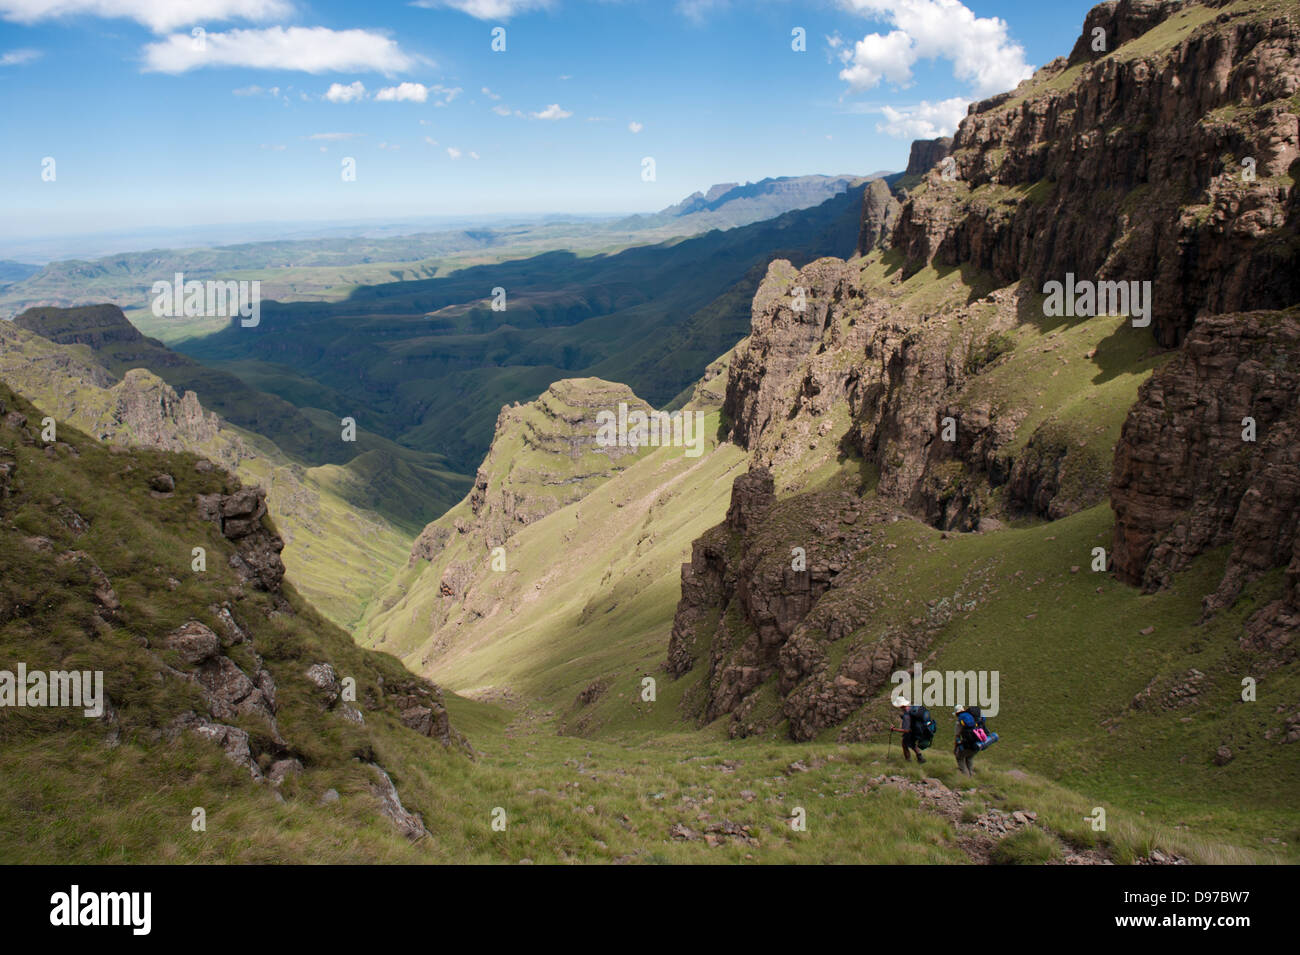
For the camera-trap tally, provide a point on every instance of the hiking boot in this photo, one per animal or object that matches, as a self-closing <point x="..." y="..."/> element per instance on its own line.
<point x="920" y="758"/>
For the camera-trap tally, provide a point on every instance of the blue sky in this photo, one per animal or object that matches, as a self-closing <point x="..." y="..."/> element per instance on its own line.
<point x="148" y="126"/>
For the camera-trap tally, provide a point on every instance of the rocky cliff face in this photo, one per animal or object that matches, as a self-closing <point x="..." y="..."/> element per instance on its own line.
<point x="899" y="373"/>
<point x="1114" y="164"/>
<point x="880" y="210"/>
<point x="544" y="455"/>
<point x="1128" y="164"/>
<point x="926" y="154"/>
<point x="1210" y="456"/>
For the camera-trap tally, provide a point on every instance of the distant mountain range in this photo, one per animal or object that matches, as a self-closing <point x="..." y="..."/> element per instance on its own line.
<point x="729" y="204"/>
<point x="329" y="267"/>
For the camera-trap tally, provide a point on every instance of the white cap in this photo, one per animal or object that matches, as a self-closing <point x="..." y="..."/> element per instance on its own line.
<point x="901" y="701"/>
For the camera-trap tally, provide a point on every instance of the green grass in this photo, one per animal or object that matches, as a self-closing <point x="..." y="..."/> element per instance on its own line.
<point x="347" y="526"/>
<point x="71" y="798"/>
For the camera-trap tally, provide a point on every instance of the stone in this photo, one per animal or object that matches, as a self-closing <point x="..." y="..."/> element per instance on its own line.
<point x="193" y="642"/>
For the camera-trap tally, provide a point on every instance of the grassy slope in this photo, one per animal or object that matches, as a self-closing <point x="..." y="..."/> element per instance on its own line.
<point x="572" y="590"/>
<point x="70" y="798"/>
<point x="338" y="550"/>
<point x="1067" y="644"/>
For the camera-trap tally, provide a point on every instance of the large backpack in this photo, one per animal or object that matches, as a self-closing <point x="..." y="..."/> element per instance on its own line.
<point x="923" y="726"/>
<point x="975" y="733"/>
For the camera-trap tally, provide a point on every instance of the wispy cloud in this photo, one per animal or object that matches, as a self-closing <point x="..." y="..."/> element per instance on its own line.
<point x="635" y="127"/>
<point x="334" y="137"/>
<point x="697" y="11"/>
<point x="487" y="9"/>
<point x="309" y="49"/>
<point x="925" y="120"/>
<point x="19" y="57"/>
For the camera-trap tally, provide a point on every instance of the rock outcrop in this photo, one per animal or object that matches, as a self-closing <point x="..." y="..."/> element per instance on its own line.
<point x="230" y="693"/>
<point x="880" y="211"/>
<point x="900" y="374"/>
<point x="240" y="517"/>
<point x="1210" y="456"/>
<point x="545" y="454"/>
<point x="1115" y="164"/>
<point x="744" y="588"/>
<point x="1199" y="132"/>
<point x="926" y="154"/>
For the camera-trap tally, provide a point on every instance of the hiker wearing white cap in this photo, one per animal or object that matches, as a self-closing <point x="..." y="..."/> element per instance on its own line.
<point x="908" y="730"/>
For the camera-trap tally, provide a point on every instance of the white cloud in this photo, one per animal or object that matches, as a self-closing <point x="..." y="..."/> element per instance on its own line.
<point x="489" y="94"/>
<point x="699" y="10"/>
<point x="448" y="93"/>
<point x="353" y="92"/>
<point x="453" y="152"/>
<point x="926" y="120"/>
<point x="554" y="111"/>
<point x="310" y="49"/>
<point x="474" y="155"/>
<point x="257" y="91"/>
<point x="879" y="57"/>
<point x="158" y="15"/>
<point x="979" y="48"/>
<point x="403" y="93"/>
<point x="430" y="140"/>
<point x="502" y="110"/>
<point x="635" y="126"/>
<point x="387" y="145"/>
<point x="334" y="136"/>
<point x="487" y="9"/>
<point x="19" y="57"/>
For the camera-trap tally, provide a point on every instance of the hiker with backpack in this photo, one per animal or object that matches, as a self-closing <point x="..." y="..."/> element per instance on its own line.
<point x="918" y="728"/>
<point x="973" y="736"/>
